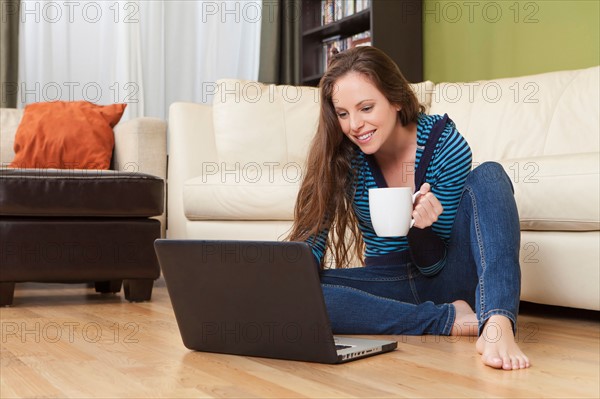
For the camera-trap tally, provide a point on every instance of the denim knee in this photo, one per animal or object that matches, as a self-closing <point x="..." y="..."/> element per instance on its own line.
<point x="489" y="175"/>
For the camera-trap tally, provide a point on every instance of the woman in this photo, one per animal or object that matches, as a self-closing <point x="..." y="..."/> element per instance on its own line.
<point x="463" y="251"/>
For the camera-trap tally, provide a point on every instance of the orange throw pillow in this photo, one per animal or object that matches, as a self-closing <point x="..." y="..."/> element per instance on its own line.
<point x="66" y="135"/>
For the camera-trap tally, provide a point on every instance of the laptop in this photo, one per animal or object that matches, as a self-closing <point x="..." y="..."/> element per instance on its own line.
<point x="254" y="298"/>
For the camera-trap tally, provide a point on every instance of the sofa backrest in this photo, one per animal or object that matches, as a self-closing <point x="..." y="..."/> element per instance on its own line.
<point x="260" y="123"/>
<point x="9" y="121"/>
<point x="546" y="114"/>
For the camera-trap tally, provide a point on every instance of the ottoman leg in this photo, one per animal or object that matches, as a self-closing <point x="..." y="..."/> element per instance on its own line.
<point x="108" y="287"/>
<point x="7" y="292"/>
<point x="138" y="290"/>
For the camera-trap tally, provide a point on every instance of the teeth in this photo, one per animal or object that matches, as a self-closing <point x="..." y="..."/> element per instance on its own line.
<point x="365" y="136"/>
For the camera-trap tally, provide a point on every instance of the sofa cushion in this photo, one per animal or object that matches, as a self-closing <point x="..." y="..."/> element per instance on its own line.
<point x="255" y="122"/>
<point x="250" y="193"/>
<point x="545" y="114"/>
<point x="63" y="192"/>
<point x="66" y="135"/>
<point x="558" y="192"/>
<point x="424" y="91"/>
<point x="575" y="122"/>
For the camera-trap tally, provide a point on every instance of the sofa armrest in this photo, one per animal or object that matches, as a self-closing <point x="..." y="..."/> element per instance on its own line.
<point x="191" y="145"/>
<point x="557" y="192"/>
<point x="141" y="146"/>
<point x="9" y="122"/>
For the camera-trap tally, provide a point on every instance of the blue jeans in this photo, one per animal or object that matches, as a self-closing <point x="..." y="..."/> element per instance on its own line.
<point x="482" y="268"/>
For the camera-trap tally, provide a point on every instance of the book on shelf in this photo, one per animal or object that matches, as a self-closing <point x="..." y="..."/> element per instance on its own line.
<point x="348" y="8"/>
<point x="334" y="10"/>
<point x="336" y="44"/>
<point x="361" y="5"/>
<point x="327" y="11"/>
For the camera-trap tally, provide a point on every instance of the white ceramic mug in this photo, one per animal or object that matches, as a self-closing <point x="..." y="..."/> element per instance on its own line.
<point x="391" y="210"/>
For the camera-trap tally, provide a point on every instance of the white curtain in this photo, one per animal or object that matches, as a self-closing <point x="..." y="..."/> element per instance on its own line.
<point x="146" y="53"/>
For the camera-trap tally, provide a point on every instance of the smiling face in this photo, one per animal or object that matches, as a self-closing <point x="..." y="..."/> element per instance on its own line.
<point x="365" y="115"/>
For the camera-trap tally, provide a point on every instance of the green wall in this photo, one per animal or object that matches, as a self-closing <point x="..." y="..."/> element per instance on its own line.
<point x="468" y="40"/>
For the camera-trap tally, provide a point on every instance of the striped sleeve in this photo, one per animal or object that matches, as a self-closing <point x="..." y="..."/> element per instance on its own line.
<point x="318" y="244"/>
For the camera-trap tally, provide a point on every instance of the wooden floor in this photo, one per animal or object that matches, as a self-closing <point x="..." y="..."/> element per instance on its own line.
<point x="67" y="341"/>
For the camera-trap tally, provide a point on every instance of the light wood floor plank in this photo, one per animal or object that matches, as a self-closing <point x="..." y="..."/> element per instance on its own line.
<point x="67" y="341"/>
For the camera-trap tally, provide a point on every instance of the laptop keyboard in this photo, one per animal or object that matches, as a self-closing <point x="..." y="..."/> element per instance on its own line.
<point x="338" y="347"/>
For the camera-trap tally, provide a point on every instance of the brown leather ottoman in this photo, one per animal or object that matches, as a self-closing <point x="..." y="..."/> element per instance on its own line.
<point x="79" y="226"/>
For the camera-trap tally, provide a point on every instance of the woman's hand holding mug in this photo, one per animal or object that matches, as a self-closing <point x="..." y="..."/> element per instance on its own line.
<point x="394" y="210"/>
<point x="427" y="208"/>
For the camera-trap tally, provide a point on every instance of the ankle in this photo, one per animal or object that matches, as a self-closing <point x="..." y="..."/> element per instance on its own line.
<point x="500" y="320"/>
<point x="496" y="327"/>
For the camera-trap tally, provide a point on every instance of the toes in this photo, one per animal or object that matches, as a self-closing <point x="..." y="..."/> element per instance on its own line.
<point x="507" y="363"/>
<point x="492" y="361"/>
<point x="524" y="362"/>
<point x="502" y="355"/>
<point x="519" y="361"/>
<point x="515" y="362"/>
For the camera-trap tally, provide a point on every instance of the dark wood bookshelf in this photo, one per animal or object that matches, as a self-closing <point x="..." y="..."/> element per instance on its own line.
<point x="395" y="27"/>
<point x="358" y="22"/>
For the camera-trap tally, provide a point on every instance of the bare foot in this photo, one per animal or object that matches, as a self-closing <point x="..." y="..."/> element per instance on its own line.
<point x="497" y="345"/>
<point x="465" y="322"/>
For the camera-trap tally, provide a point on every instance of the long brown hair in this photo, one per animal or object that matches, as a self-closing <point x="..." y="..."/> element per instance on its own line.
<point x="327" y="190"/>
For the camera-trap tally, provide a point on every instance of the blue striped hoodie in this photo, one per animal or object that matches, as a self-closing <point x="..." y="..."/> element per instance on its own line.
<point x="446" y="173"/>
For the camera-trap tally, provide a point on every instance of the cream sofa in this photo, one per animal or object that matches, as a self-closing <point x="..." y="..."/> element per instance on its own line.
<point x="235" y="166"/>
